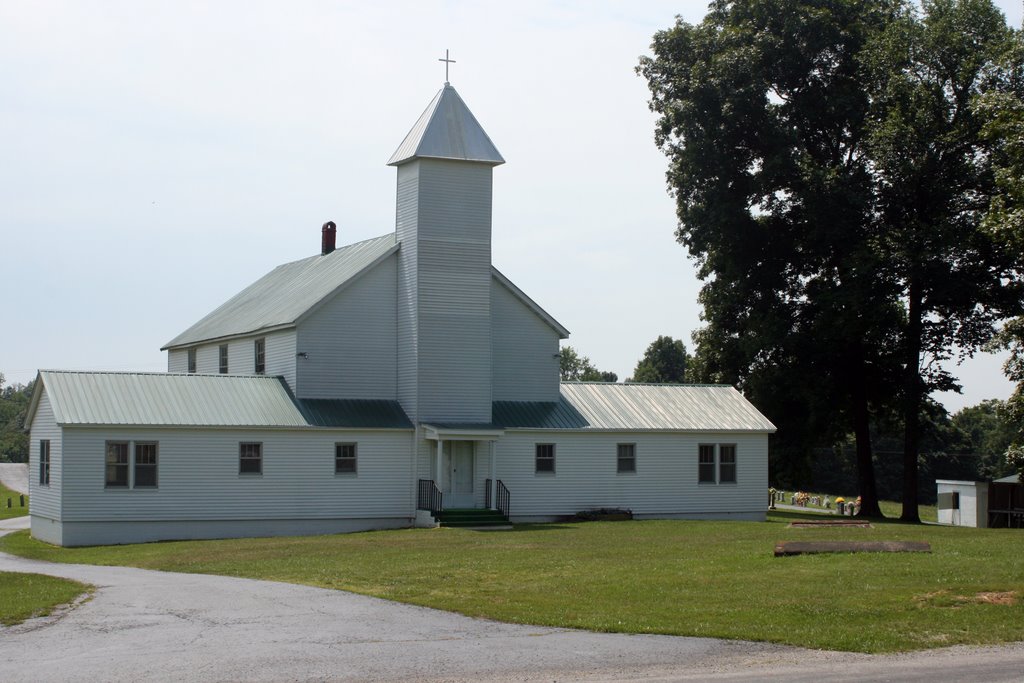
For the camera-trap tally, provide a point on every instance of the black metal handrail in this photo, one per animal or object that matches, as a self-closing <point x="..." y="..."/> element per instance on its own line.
<point x="503" y="498"/>
<point x="487" y="493"/>
<point x="429" y="497"/>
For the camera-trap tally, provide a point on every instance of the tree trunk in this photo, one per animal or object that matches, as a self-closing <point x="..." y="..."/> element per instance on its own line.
<point x="866" y="487"/>
<point x="912" y="403"/>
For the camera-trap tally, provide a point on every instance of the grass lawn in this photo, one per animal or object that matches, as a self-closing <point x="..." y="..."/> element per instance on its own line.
<point x="15" y="510"/>
<point x="23" y="596"/>
<point x="716" y="579"/>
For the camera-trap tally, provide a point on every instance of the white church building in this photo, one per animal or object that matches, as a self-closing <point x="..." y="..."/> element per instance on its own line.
<point x="376" y="385"/>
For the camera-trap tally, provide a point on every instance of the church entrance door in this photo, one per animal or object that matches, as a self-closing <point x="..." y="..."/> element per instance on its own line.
<point x="459" y="471"/>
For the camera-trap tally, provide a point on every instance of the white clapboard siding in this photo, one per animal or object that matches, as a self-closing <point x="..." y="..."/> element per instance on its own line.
<point x="406" y="224"/>
<point x="198" y="476"/>
<point x="280" y="356"/>
<point x="525" y="350"/>
<point x="349" y="341"/>
<point x="177" y="360"/>
<point x="45" y="501"/>
<point x="665" y="482"/>
<point x="208" y="359"/>
<point x="444" y="226"/>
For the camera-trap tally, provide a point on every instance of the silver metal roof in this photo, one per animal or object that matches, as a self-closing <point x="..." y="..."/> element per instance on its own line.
<point x="163" y="399"/>
<point x="282" y="296"/>
<point x="447" y="130"/>
<point x="637" y="407"/>
<point x="192" y="400"/>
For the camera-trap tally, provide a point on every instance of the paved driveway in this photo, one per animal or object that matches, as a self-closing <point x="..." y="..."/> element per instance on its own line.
<point x="14" y="475"/>
<point x="149" y="625"/>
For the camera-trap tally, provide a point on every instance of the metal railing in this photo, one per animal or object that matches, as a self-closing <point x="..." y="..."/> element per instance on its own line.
<point x="429" y="497"/>
<point x="503" y="498"/>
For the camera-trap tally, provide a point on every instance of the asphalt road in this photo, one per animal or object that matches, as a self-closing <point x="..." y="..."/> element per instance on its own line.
<point x="14" y="476"/>
<point x="162" y="626"/>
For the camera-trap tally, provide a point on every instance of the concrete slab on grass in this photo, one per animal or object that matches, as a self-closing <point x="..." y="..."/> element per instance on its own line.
<point x="784" y="548"/>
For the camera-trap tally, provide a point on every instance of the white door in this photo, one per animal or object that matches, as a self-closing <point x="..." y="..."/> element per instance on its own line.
<point x="459" y="461"/>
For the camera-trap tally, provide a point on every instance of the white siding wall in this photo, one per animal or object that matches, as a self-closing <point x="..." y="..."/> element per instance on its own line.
<point x="281" y="355"/>
<point x="177" y="360"/>
<point x="45" y="501"/>
<point x="406" y="224"/>
<point x="525" y="350"/>
<point x="444" y="225"/>
<point x="208" y="359"/>
<point x="198" y="476"/>
<point x="665" y="482"/>
<point x="350" y="341"/>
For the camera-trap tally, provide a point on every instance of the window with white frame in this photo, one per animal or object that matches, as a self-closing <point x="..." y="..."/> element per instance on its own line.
<point x="545" y="458"/>
<point x="250" y="458"/>
<point x="626" y="458"/>
<point x="260" y="349"/>
<point x="344" y="458"/>
<point x="191" y="360"/>
<point x="716" y="463"/>
<point x="223" y="353"/>
<point x="44" y="462"/>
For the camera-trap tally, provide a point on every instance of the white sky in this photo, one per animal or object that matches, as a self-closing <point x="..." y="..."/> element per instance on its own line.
<point x="156" y="157"/>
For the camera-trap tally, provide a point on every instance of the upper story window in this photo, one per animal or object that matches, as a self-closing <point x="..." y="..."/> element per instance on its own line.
<point x="223" y="352"/>
<point x="261" y="355"/>
<point x="626" y="458"/>
<point x="191" y="360"/>
<point x="344" y="458"/>
<point x="44" y="462"/>
<point x="250" y="458"/>
<point x="545" y="458"/>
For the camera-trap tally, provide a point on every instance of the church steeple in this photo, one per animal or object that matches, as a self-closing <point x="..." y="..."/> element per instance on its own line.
<point x="447" y="129"/>
<point x="443" y="223"/>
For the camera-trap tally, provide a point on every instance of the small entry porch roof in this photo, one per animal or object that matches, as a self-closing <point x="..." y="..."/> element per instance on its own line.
<point x="462" y="432"/>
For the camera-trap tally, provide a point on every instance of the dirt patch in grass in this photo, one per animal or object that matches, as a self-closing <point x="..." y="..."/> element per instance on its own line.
<point x="945" y="598"/>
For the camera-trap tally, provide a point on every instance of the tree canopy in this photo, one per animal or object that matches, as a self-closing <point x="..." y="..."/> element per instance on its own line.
<point x="832" y="178"/>
<point x="14" y="400"/>
<point x="574" y="367"/>
<point x="664" y="362"/>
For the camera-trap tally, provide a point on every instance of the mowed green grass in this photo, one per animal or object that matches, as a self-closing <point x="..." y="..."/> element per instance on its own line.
<point x="15" y="510"/>
<point x="23" y="596"/>
<point x="695" y="578"/>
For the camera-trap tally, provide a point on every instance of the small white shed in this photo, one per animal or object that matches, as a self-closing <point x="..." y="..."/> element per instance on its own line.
<point x="963" y="503"/>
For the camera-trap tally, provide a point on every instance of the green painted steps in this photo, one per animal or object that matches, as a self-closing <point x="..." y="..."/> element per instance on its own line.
<point x="472" y="517"/>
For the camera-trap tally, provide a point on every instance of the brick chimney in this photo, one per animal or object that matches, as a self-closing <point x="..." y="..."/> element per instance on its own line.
<point x="328" y="234"/>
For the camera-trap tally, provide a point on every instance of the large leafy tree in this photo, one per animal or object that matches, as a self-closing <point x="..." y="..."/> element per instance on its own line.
<point x="14" y="400"/>
<point x="763" y="110"/>
<point x="577" y="368"/>
<point x="936" y="78"/>
<point x="664" y="362"/>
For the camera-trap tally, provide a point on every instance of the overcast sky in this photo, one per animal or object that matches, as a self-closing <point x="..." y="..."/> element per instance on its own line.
<point x="157" y="157"/>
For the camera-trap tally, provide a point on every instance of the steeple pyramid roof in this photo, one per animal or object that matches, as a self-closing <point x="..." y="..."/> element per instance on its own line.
<point x="447" y="129"/>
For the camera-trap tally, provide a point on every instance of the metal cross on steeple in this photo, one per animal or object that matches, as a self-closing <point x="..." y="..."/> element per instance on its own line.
<point x="446" y="63"/>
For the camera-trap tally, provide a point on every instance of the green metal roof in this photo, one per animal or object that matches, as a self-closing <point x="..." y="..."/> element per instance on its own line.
<point x="192" y="400"/>
<point x="636" y="407"/>
<point x="354" y="413"/>
<point x="282" y="296"/>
